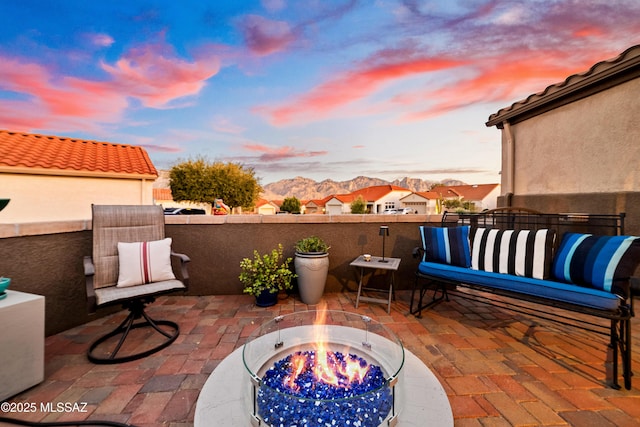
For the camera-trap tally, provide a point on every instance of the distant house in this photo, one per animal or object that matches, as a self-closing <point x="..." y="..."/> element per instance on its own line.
<point x="377" y="199"/>
<point x="478" y="196"/>
<point x="339" y="204"/>
<point x="52" y="178"/>
<point x="265" y="207"/>
<point x="422" y="202"/>
<point x="316" y="206"/>
<point x="573" y="147"/>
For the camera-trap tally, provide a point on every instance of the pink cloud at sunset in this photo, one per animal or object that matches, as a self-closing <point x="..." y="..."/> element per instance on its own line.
<point x="162" y="148"/>
<point x="54" y="101"/>
<point x="225" y="125"/>
<point x="151" y="74"/>
<point x="99" y="39"/>
<point x="494" y="81"/>
<point x="264" y="36"/>
<point x="270" y="154"/>
<point x="350" y="86"/>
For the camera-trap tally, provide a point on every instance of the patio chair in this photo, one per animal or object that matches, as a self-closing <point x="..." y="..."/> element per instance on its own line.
<point x="131" y="265"/>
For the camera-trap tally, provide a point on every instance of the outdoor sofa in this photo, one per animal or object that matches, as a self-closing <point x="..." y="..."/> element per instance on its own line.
<point x="577" y="262"/>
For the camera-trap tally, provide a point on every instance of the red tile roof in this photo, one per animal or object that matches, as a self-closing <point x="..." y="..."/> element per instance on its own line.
<point x="376" y="192"/>
<point x="55" y="153"/>
<point x="469" y="192"/>
<point x="430" y="195"/>
<point x="162" y="194"/>
<point x="264" y="202"/>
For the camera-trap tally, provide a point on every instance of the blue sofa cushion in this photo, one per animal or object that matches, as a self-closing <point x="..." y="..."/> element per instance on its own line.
<point x="602" y="262"/>
<point x="522" y="253"/>
<point x="565" y="292"/>
<point x="447" y="245"/>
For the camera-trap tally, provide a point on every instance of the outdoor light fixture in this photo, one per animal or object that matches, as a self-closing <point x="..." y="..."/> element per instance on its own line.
<point x="384" y="232"/>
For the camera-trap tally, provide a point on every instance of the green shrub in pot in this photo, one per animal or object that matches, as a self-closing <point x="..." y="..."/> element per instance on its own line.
<point x="312" y="267"/>
<point x="266" y="275"/>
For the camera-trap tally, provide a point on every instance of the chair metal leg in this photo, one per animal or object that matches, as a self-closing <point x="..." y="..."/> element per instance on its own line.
<point x="136" y="311"/>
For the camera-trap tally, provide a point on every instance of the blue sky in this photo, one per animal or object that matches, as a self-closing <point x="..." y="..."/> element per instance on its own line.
<point x="319" y="88"/>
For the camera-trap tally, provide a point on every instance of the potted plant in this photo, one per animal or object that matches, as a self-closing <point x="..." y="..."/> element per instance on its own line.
<point x="312" y="266"/>
<point x="266" y="275"/>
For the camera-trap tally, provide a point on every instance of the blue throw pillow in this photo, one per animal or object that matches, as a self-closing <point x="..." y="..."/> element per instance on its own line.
<point x="446" y="245"/>
<point x="601" y="262"/>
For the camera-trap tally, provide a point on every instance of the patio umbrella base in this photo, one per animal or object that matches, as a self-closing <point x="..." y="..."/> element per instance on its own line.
<point x="99" y="354"/>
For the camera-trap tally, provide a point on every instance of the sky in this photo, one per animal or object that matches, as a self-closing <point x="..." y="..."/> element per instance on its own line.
<point x="323" y="89"/>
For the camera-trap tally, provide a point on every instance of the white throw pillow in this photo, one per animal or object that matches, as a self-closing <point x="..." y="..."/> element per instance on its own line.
<point x="144" y="262"/>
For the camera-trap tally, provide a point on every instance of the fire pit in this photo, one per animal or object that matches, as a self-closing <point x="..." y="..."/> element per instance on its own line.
<point x="323" y="368"/>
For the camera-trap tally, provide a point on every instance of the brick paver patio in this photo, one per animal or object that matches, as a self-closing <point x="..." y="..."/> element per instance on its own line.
<point x="498" y="368"/>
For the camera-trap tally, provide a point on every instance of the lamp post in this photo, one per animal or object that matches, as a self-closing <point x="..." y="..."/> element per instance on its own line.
<point x="384" y="232"/>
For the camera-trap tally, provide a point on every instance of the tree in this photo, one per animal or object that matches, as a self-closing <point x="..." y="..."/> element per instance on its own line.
<point x="358" y="206"/>
<point x="291" y="205"/>
<point x="452" y="203"/>
<point x="203" y="182"/>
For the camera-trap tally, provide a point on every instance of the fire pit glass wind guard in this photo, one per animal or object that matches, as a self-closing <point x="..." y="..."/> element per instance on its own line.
<point x="323" y="368"/>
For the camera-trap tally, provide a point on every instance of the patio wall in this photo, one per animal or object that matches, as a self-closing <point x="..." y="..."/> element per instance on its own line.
<point x="46" y="258"/>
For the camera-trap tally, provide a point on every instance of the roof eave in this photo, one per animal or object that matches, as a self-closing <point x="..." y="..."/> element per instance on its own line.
<point x="77" y="173"/>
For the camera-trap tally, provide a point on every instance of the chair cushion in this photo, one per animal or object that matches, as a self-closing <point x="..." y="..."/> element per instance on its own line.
<point x="597" y="261"/>
<point x="144" y="262"/>
<point x="558" y="291"/>
<point x="522" y="253"/>
<point x="113" y="294"/>
<point x="447" y="245"/>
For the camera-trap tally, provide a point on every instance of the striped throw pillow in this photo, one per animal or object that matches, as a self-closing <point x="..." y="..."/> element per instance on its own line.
<point x="144" y="262"/>
<point x="522" y="253"/>
<point x="597" y="261"/>
<point x="446" y="245"/>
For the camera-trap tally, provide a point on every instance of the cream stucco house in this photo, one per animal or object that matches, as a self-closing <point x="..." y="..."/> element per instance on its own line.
<point x="377" y="199"/>
<point x="422" y="202"/>
<point x="51" y="178"/>
<point x="575" y="146"/>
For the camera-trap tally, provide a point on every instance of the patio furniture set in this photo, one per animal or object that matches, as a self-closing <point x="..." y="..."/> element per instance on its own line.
<point x="563" y="263"/>
<point x="507" y="252"/>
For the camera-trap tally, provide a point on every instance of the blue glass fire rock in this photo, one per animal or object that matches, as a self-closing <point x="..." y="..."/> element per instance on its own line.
<point x="307" y="402"/>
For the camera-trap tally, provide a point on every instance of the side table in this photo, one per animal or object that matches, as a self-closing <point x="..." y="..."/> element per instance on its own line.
<point x="389" y="264"/>
<point x="21" y="342"/>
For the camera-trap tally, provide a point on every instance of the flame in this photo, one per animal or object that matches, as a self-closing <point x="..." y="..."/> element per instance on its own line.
<point x="298" y="363"/>
<point x="327" y="366"/>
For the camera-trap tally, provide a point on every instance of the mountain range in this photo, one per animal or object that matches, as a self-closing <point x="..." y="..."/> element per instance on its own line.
<point x="308" y="189"/>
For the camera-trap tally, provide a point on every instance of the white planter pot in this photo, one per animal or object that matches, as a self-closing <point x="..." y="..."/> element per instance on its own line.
<point x="312" y="270"/>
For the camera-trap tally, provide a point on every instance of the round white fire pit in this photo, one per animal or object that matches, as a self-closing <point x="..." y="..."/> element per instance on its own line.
<point x="318" y="369"/>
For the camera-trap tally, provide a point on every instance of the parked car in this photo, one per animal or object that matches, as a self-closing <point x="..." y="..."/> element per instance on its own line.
<point x="405" y="211"/>
<point x="390" y="212"/>
<point x="184" y="211"/>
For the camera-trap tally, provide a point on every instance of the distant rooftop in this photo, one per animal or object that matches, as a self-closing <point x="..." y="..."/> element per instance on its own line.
<point x="599" y="77"/>
<point x="34" y="153"/>
<point x="376" y="192"/>
<point x="467" y="191"/>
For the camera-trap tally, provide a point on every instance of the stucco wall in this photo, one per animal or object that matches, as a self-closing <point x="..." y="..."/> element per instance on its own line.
<point x="60" y="198"/>
<point x="588" y="146"/>
<point x="46" y="259"/>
